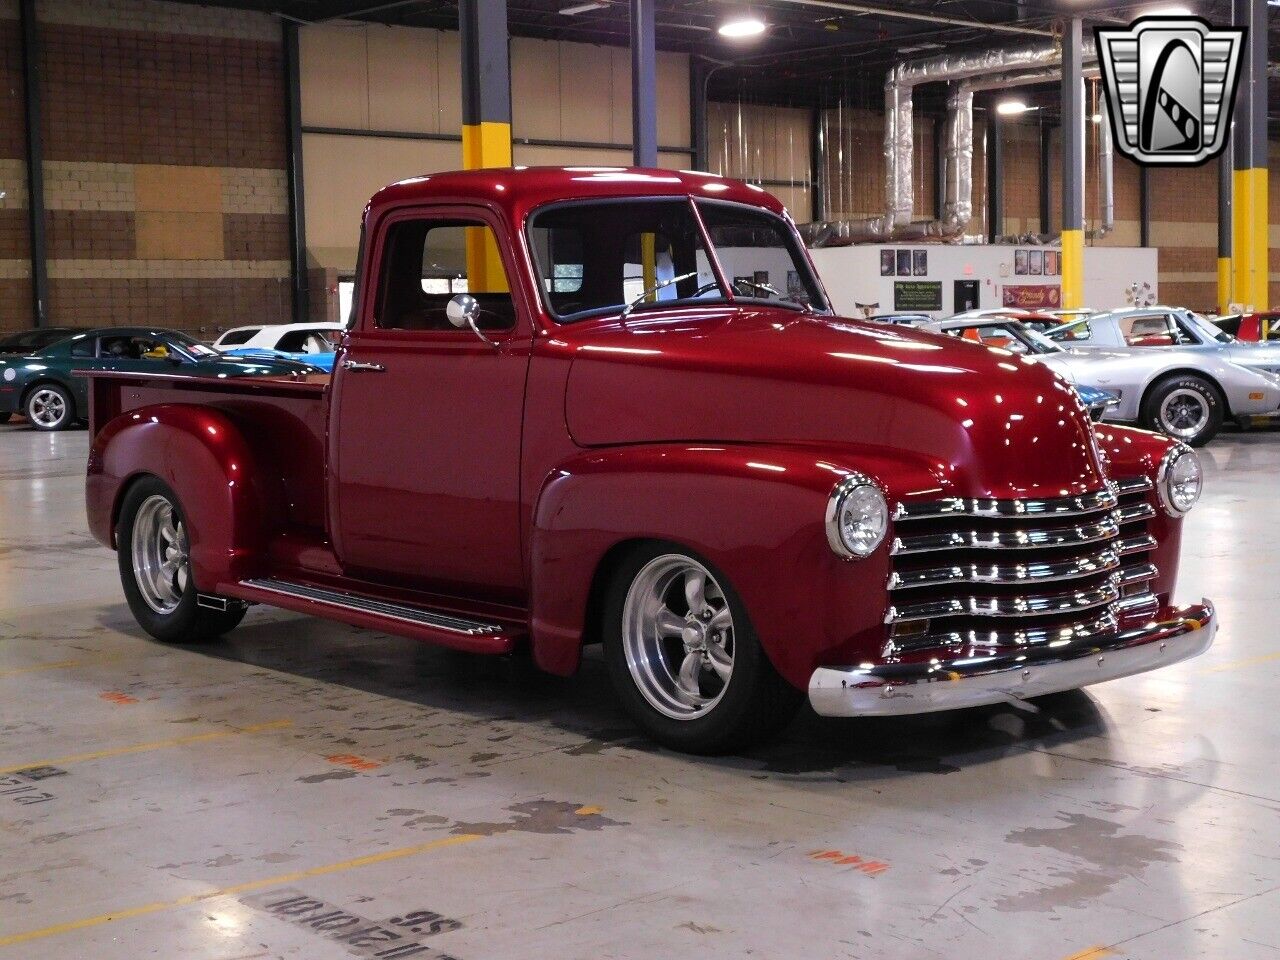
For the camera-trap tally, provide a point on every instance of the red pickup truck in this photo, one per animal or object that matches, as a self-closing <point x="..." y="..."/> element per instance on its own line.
<point x="613" y="406"/>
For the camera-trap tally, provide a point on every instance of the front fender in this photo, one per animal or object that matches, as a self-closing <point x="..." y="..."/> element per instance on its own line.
<point x="754" y="511"/>
<point x="202" y="456"/>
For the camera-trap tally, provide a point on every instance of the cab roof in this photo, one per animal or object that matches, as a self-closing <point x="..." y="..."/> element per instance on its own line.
<point x="518" y="190"/>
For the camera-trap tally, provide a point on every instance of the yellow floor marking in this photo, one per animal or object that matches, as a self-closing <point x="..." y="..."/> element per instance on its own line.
<point x="1249" y="662"/>
<point x="144" y="747"/>
<point x="130" y="912"/>
<point x="61" y="664"/>
<point x="1093" y="953"/>
<point x="588" y="811"/>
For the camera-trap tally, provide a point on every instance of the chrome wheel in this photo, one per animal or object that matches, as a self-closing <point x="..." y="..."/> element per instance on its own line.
<point x="47" y="408"/>
<point x="159" y="548"/>
<point x="677" y="634"/>
<point x="1184" y="413"/>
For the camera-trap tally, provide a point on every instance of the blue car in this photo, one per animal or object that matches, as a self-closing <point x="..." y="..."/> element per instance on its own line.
<point x="322" y="360"/>
<point x="1096" y="401"/>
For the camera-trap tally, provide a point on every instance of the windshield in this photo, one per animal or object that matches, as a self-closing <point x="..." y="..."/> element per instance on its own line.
<point x="601" y="257"/>
<point x="31" y="340"/>
<point x="1207" y="329"/>
<point x="191" y="346"/>
<point x="1043" y="343"/>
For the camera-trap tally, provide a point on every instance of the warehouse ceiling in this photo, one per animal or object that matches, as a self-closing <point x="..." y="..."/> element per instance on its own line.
<point x="814" y="52"/>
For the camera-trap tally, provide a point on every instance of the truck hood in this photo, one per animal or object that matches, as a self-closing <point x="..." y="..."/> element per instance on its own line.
<point x="984" y="421"/>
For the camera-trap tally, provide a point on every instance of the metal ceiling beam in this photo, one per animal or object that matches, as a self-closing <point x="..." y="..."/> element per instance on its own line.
<point x="901" y="14"/>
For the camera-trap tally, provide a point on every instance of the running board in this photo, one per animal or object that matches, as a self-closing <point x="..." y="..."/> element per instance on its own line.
<point x="447" y="628"/>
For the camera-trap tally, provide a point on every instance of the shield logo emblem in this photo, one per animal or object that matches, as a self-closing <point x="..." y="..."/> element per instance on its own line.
<point x="1170" y="84"/>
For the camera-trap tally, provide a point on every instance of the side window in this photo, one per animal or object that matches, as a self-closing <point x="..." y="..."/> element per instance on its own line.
<point x="295" y="341"/>
<point x="233" y="338"/>
<point x="1149" y="330"/>
<point x="1076" y="333"/>
<point x="82" y="347"/>
<point x="426" y="262"/>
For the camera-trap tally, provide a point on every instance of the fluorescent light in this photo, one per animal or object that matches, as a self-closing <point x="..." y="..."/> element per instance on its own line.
<point x="578" y="8"/>
<point x="1167" y="12"/>
<point x="1010" y="108"/>
<point x="739" y="27"/>
<point x="1096" y="118"/>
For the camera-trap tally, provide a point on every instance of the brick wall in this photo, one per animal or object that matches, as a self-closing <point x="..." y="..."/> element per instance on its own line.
<point x="15" y="254"/>
<point x="164" y="147"/>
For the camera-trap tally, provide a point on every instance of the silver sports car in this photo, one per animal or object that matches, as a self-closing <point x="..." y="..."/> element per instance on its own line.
<point x="1172" y="369"/>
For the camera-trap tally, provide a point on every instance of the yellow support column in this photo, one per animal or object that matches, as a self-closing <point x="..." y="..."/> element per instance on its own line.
<point x="1249" y="244"/>
<point x="1072" y="269"/>
<point x="1073" y="165"/>
<point x="1249" y="240"/>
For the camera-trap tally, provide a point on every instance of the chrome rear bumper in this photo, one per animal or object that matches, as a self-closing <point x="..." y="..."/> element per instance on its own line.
<point x="894" y="689"/>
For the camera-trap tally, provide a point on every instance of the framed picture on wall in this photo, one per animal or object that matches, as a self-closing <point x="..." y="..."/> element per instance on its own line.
<point x="904" y="263"/>
<point x="1035" y="262"/>
<point x="1020" y="262"/>
<point x="1052" y="263"/>
<point x="920" y="263"/>
<point x="886" y="263"/>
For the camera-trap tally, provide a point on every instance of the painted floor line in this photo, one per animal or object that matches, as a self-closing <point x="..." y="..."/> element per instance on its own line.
<point x="145" y="747"/>
<point x="1247" y="662"/>
<point x="1093" y="953"/>
<point x="284" y="878"/>
<point x="63" y="664"/>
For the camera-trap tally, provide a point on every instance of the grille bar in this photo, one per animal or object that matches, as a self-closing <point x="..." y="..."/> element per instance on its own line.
<point x="1094" y="502"/>
<point x="1023" y="538"/>
<point x="1071" y="601"/>
<point x="1135" y="511"/>
<point x="1072" y="569"/>
<point x="1135" y="544"/>
<point x="1106" y="623"/>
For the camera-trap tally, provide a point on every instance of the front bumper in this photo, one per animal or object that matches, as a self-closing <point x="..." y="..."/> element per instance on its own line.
<point x="878" y="690"/>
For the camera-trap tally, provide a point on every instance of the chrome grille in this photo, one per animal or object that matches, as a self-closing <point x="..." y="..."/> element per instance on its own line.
<point x="1018" y="572"/>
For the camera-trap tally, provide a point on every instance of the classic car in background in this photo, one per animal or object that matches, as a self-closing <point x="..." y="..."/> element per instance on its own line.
<point x="1034" y="319"/>
<point x="1172" y="369"/>
<point x="42" y="386"/>
<point x="26" y="341"/>
<point x="292" y="338"/>
<point x="1250" y="326"/>
<point x="323" y="361"/>
<point x="1011" y="335"/>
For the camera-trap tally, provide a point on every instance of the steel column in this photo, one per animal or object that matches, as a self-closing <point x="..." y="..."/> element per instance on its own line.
<point x="1046" y="193"/>
<point x="644" y="83"/>
<point x="293" y="171"/>
<point x="1224" y="232"/>
<point x="1144" y="206"/>
<point x="1249" y="246"/>
<point x="939" y="166"/>
<point x="1072" y="165"/>
<point x="35" y="162"/>
<point x="699" y="72"/>
<point x="995" y="177"/>
<point x="486" y="120"/>
<point x="817" y="167"/>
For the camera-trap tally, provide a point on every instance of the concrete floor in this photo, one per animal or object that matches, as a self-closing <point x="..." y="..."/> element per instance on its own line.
<point x="308" y="790"/>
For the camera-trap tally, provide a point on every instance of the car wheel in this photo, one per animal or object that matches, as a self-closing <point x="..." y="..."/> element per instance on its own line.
<point x="152" y="549"/>
<point x="684" y="658"/>
<point x="1187" y="408"/>
<point x="49" y="407"/>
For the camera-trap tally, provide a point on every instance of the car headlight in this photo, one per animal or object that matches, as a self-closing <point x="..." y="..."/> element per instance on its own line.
<point x="857" y="516"/>
<point x="1179" y="480"/>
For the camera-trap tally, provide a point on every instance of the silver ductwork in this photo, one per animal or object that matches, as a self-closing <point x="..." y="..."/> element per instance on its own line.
<point x="1106" y="173"/>
<point x="968" y="72"/>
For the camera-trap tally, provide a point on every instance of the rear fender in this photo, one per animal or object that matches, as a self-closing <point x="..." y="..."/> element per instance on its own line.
<point x="203" y="457"/>
<point x="754" y="512"/>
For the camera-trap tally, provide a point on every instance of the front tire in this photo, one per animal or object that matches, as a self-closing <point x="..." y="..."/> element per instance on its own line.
<point x="153" y="553"/>
<point x="1187" y="408"/>
<point x="49" y="407"/>
<point x="684" y="658"/>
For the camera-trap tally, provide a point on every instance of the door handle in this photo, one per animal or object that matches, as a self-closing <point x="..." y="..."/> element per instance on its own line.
<point x="357" y="365"/>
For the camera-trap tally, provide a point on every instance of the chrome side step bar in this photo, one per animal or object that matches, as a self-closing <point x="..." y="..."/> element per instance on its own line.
<point x="382" y="608"/>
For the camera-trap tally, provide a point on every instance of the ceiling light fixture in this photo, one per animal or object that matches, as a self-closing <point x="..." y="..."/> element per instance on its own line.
<point x="1011" y="108"/>
<point x="578" y="8"/>
<point x="1178" y="11"/>
<point x="739" y="27"/>
<point x="1096" y="118"/>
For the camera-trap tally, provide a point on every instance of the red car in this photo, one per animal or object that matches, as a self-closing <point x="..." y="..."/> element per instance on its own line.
<point x="613" y="406"/>
<point x="1251" y="326"/>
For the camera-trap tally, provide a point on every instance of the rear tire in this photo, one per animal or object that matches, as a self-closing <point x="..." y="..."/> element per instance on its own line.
<point x="152" y="550"/>
<point x="1185" y="407"/>
<point x="684" y="658"/>
<point x="49" y="407"/>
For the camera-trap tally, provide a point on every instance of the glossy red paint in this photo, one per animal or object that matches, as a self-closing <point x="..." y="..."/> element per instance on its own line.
<point x="503" y="479"/>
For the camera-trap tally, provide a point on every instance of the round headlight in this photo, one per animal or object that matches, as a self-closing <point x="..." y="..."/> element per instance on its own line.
<point x="857" y="517"/>
<point x="1179" y="480"/>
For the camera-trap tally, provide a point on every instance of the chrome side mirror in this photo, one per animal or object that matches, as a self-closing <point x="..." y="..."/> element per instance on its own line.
<point x="462" y="310"/>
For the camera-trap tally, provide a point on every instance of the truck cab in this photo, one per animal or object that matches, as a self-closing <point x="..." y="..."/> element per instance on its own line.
<point x="612" y="406"/>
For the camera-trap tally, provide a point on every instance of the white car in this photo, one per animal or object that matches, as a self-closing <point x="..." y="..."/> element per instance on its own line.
<point x="285" y="337"/>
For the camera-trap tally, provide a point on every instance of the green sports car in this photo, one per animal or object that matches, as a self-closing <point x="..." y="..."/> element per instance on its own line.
<point x="40" y="385"/>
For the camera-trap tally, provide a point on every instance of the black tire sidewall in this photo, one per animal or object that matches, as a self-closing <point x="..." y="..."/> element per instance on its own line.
<point x="1207" y="391"/>
<point x="736" y="720"/>
<point x="188" y="622"/>
<point x="69" y="405"/>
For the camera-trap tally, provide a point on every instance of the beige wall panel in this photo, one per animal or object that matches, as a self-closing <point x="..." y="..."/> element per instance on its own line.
<point x="535" y="88"/>
<point x="178" y="236"/>
<point x="333" y="67"/>
<point x="619" y="79"/>
<point x="404" y="84"/>
<point x="528" y="156"/>
<point x="796" y="200"/>
<point x="341" y="173"/>
<point x="586" y="111"/>
<point x="173" y="188"/>
<point x="673" y="99"/>
<point x="450" y="81"/>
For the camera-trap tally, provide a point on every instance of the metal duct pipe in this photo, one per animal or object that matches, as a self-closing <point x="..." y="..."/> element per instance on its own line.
<point x="1032" y="63"/>
<point x="1106" y="173"/>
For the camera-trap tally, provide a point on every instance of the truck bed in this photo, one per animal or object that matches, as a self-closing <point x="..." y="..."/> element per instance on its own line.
<point x="283" y="420"/>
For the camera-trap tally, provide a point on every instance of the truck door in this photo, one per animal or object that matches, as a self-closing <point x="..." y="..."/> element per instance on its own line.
<point x="424" y="443"/>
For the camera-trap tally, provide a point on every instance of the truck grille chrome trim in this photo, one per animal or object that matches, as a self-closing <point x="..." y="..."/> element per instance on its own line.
<point x="1010" y="573"/>
<point x="1137" y="544"/>
<point x="396" y="611"/>
<point x="1070" y="601"/>
<point x="1135" y="511"/>
<point x="1028" y="637"/>
<point x="1006" y="539"/>
<point x="974" y="507"/>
